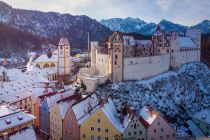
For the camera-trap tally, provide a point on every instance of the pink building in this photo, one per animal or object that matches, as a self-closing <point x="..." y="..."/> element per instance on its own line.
<point x="157" y="127"/>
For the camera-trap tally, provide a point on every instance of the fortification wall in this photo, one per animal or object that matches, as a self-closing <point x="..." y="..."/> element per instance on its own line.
<point x="188" y="56"/>
<point x="144" y="67"/>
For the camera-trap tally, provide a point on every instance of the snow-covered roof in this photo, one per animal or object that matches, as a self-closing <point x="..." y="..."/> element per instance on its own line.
<point x="63" y="41"/>
<point x="195" y="129"/>
<point x="85" y="108"/>
<point x="186" y="42"/>
<point x="45" y="58"/>
<point x="65" y="104"/>
<point x="21" y="87"/>
<point x="110" y="111"/>
<point x="148" y="115"/>
<point x="14" y="74"/>
<point x="51" y="100"/>
<point x="24" y="134"/>
<point x="12" y="117"/>
<point x="128" y="40"/>
<point x="203" y="116"/>
<point x="143" y="42"/>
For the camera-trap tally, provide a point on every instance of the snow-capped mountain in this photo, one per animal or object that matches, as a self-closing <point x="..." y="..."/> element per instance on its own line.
<point x="139" y="26"/>
<point x="204" y="26"/>
<point x="53" y="25"/>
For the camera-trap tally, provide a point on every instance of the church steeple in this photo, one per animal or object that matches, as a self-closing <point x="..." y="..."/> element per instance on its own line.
<point x="63" y="57"/>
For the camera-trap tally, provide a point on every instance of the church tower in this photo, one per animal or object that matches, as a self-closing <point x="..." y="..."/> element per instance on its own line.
<point x="116" y="58"/>
<point x="63" y="59"/>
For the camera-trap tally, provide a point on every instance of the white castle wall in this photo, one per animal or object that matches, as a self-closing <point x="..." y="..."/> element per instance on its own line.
<point x="144" y="67"/>
<point x="188" y="56"/>
<point x="102" y="64"/>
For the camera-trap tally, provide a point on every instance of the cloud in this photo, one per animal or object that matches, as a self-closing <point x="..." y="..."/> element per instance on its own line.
<point x="187" y="12"/>
<point x="164" y="4"/>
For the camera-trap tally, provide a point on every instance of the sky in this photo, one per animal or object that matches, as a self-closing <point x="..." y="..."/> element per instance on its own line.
<point x="185" y="12"/>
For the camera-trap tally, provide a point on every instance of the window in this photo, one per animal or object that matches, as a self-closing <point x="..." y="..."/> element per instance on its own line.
<point x="129" y="133"/>
<point x="207" y="127"/>
<point x="161" y="137"/>
<point x="154" y="130"/>
<point x="106" y="130"/>
<point x="115" y="62"/>
<point x="140" y="132"/>
<point x="142" y="138"/>
<point x="98" y="120"/>
<point x="158" y="123"/>
<point x="152" y="138"/>
<point x="116" y="138"/>
<point x="134" y="126"/>
<point x="92" y="128"/>
<point x="92" y="137"/>
<point x="161" y="129"/>
<point x="106" y="138"/>
<point x="116" y="56"/>
<point x="99" y="129"/>
<point x="98" y="138"/>
<point x="134" y="133"/>
<point x="84" y="136"/>
<point x="167" y="136"/>
<point x="61" y="47"/>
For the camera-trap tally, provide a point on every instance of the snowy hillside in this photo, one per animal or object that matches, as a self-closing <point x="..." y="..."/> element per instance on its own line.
<point x="53" y="25"/>
<point x="139" y="26"/>
<point x="175" y="94"/>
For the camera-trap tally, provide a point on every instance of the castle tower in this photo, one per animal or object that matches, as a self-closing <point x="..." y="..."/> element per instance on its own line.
<point x="116" y="58"/>
<point x="94" y="45"/>
<point x="63" y="59"/>
<point x="174" y="53"/>
<point x="158" y="40"/>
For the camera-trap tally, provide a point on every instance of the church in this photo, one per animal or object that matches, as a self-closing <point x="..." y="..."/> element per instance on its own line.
<point x="58" y="61"/>
<point x="124" y="57"/>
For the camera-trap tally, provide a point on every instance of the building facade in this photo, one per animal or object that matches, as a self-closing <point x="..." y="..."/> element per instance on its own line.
<point x="125" y="58"/>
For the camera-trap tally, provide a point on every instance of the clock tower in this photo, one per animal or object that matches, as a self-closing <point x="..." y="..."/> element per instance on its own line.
<point x="63" y="59"/>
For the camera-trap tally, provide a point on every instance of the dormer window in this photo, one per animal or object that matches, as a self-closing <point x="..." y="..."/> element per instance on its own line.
<point x="61" y="47"/>
<point x="20" y="117"/>
<point x="8" y="121"/>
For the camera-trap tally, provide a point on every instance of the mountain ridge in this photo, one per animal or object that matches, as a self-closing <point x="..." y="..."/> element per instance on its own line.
<point x="129" y="24"/>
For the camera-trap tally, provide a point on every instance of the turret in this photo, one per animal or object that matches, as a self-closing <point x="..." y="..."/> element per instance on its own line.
<point x="174" y="50"/>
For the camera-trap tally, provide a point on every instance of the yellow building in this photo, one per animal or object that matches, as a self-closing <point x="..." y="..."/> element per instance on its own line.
<point x="12" y="120"/>
<point x="57" y="115"/>
<point x="104" y="124"/>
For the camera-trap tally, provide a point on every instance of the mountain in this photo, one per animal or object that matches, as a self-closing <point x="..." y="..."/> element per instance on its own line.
<point x="14" y="42"/>
<point x="53" y="25"/>
<point x="139" y="26"/>
<point x="204" y="26"/>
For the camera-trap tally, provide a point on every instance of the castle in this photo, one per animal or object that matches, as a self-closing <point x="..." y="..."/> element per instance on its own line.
<point x="124" y="57"/>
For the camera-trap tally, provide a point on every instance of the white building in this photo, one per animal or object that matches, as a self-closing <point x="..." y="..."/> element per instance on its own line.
<point x="118" y="61"/>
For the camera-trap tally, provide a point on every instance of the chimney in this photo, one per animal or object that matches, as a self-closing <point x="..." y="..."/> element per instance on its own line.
<point x="150" y="111"/>
<point x="5" y="136"/>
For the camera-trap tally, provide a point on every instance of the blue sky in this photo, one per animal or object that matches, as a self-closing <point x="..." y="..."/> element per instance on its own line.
<point x="186" y="12"/>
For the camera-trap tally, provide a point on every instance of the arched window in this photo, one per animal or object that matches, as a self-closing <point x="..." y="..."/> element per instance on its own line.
<point x="46" y="65"/>
<point x="37" y="65"/>
<point x="52" y="65"/>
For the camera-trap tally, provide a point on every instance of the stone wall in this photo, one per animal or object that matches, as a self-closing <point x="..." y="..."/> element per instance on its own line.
<point x="144" y="67"/>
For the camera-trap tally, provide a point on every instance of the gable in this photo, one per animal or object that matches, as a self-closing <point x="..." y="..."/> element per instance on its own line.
<point x="99" y="114"/>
